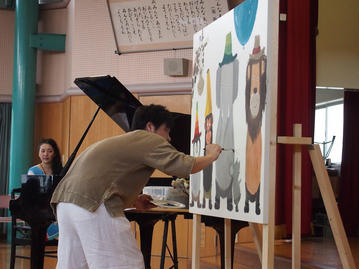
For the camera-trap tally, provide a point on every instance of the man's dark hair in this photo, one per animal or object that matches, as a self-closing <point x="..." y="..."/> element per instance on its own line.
<point x="156" y="114"/>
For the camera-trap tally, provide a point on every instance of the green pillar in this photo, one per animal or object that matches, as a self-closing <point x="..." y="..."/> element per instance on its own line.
<point x="23" y="95"/>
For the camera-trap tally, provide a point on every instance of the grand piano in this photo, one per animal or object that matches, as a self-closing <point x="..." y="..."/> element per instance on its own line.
<point x="117" y="102"/>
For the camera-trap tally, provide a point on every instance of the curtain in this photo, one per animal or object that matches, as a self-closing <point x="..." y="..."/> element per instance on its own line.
<point x="296" y="103"/>
<point x="5" y="127"/>
<point x="349" y="180"/>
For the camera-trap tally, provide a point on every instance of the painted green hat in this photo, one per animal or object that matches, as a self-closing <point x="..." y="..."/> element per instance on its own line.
<point x="228" y="56"/>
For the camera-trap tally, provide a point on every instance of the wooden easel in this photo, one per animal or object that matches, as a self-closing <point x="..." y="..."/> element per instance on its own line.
<point x="327" y="193"/>
<point x="265" y="248"/>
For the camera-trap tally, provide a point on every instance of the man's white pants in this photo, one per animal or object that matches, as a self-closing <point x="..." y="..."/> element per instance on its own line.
<point x="95" y="240"/>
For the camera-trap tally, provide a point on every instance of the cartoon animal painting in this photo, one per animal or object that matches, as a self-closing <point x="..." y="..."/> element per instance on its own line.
<point x="255" y="100"/>
<point x="208" y="127"/>
<point x="227" y="170"/>
<point x="197" y="79"/>
<point x="196" y="178"/>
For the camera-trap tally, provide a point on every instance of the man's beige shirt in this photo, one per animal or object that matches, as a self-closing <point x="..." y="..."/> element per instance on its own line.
<point x="115" y="170"/>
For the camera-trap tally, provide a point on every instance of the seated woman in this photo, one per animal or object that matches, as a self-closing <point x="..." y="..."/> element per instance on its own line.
<point x="49" y="155"/>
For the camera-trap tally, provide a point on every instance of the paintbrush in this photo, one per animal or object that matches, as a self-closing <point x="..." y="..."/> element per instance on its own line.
<point x="227" y="149"/>
<point x="223" y="149"/>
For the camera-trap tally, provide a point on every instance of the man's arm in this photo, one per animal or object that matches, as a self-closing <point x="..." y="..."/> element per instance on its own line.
<point x="212" y="153"/>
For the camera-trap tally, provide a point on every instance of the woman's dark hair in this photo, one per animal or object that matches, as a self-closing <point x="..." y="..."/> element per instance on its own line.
<point x="156" y="114"/>
<point x="56" y="164"/>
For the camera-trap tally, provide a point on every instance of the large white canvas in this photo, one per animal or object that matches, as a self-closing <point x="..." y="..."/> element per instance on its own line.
<point x="236" y="185"/>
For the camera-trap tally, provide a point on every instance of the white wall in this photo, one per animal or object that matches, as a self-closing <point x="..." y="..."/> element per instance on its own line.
<point x="7" y="26"/>
<point x="338" y="44"/>
<point x="90" y="47"/>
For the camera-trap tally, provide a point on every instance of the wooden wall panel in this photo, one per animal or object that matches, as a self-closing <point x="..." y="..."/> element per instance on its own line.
<point x="209" y="241"/>
<point x="184" y="239"/>
<point x="82" y="111"/>
<point x="66" y="129"/>
<point x="175" y="103"/>
<point x="48" y="124"/>
<point x="181" y="237"/>
<point x="209" y="245"/>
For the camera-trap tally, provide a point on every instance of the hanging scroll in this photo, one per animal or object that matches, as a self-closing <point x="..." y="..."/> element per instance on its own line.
<point x="145" y="25"/>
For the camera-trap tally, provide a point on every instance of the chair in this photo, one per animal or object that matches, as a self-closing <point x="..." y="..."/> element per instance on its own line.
<point x="4" y="204"/>
<point x="21" y="236"/>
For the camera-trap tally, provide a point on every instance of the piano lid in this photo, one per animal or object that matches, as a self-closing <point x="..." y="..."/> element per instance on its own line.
<point x="112" y="97"/>
<point x="119" y="103"/>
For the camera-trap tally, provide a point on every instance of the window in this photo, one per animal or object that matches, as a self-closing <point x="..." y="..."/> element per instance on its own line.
<point x="329" y="126"/>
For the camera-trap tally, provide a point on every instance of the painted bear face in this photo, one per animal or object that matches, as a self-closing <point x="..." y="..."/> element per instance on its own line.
<point x="255" y="99"/>
<point x="255" y="94"/>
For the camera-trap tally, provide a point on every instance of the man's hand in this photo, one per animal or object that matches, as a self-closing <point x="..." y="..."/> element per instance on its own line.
<point x="143" y="202"/>
<point x="212" y="153"/>
<point x="213" y="150"/>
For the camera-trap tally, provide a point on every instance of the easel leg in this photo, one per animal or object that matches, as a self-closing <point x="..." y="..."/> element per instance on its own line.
<point x="331" y="207"/>
<point x="196" y="241"/>
<point x="227" y="244"/>
<point x="296" y="199"/>
<point x="268" y="229"/>
<point x="268" y="246"/>
<point x="257" y="237"/>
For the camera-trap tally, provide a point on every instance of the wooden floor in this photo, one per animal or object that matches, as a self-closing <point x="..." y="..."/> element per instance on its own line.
<point x="317" y="253"/>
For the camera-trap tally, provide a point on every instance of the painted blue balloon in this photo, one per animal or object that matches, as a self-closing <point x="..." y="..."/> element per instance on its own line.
<point x="244" y="18"/>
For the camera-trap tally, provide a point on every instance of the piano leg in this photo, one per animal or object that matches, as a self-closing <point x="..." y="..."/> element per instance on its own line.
<point x="174" y="243"/>
<point x="38" y="237"/>
<point x="169" y="219"/>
